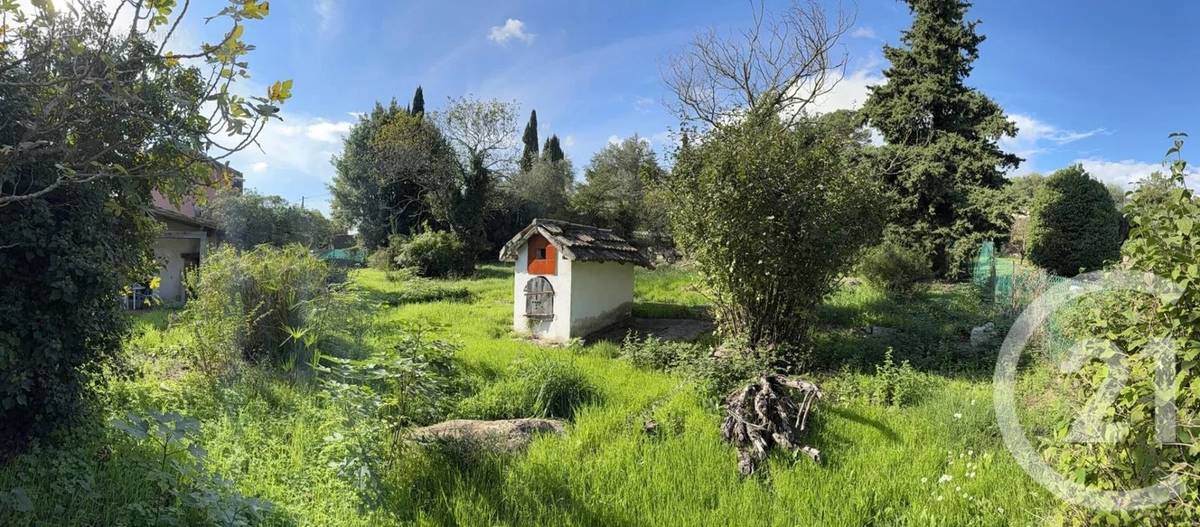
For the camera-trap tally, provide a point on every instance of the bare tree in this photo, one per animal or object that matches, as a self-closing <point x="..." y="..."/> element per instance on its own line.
<point x="482" y="131"/>
<point x="781" y="62"/>
<point x="73" y="77"/>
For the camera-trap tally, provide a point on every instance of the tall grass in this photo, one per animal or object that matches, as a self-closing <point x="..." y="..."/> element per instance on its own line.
<point x="281" y="440"/>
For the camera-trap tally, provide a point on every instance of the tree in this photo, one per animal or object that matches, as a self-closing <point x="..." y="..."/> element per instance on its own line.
<point x="530" y="138"/>
<point x="1074" y="225"/>
<point x="250" y="219"/>
<point x="1157" y="187"/>
<point x="94" y="115"/>
<point x="482" y="134"/>
<point x="780" y="64"/>
<point x="546" y="188"/>
<point x="83" y="73"/>
<point x="771" y="211"/>
<point x="613" y="194"/>
<point x="943" y="136"/>
<point x="368" y="196"/>
<point x="411" y="152"/>
<point x="418" y="103"/>
<point x="552" y="151"/>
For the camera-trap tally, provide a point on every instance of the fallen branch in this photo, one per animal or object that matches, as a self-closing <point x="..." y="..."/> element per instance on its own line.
<point x="763" y="414"/>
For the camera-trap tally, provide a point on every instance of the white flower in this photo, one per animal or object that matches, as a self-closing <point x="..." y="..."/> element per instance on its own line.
<point x="957" y="415"/>
<point x="945" y="478"/>
<point x="939" y="498"/>
<point x="972" y="402"/>
<point x="970" y="452"/>
<point x="957" y="488"/>
<point x="923" y="480"/>
<point x="1000" y="510"/>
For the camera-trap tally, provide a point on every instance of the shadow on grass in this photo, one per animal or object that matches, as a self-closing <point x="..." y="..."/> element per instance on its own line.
<point x="493" y="270"/>
<point x="417" y="293"/>
<point x="931" y="331"/>
<point x="664" y="310"/>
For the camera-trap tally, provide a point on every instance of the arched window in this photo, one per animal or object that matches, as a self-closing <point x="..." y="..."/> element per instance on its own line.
<point x="539" y="298"/>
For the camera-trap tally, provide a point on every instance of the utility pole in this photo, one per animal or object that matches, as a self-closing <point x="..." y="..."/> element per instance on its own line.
<point x="301" y="202"/>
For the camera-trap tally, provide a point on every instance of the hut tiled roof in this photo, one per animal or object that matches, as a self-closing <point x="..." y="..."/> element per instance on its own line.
<point x="583" y="243"/>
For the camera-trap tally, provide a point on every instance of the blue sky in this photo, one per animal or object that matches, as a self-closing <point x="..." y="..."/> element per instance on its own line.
<point x="1100" y="83"/>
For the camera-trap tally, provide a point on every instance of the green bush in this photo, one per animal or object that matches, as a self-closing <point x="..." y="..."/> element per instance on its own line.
<point x="433" y="254"/>
<point x="1073" y="226"/>
<point x="658" y="354"/>
<point x="895" y="269"/>
<point x="771" y="214"/>
<point x="64" y="259"/>
<point x="382" y="259"/>
<point x="1164" y="239"/>
<point x="536" y="386"/>
<point x="269" y="304"/>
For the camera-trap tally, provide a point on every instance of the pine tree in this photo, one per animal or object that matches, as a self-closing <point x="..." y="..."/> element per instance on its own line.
<point x="941" y="135"/>
<point x="418" y="102"/>
<point x="552" y="151"/>
<point x="530" y="153"/>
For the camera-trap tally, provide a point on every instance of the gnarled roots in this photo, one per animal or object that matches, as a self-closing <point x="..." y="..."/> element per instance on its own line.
<point x="764" y="414"/>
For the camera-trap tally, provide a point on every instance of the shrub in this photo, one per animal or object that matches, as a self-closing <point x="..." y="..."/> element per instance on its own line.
<point x="1074" y="225"/>
<point x="433" y="254"/>
<point x="895" y="269"/>
<point x="658" y="354"/>
<point x="771" y="214"/>
<point x="896" y="385"/>
<point x="64" y="259"/>
<point x="381" y="259"/>
<point x="1164" y="239"/>
<point x="536" y="386"/>
<point x="269" y="304"/>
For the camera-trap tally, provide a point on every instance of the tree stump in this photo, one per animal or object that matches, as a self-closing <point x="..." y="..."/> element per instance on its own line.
<point x="764" y="414"/>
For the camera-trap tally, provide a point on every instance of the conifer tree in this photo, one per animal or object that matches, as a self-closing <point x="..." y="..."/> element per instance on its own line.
<point x="941" y="136"/>
<point x="418" y="102"/>
<point x="530" y="153"/>
<point x="552" y="151"/>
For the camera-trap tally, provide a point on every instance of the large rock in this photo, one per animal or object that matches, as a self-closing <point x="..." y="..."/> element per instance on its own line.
<point x="983" y="335"/>
<point x="505" y="435"/>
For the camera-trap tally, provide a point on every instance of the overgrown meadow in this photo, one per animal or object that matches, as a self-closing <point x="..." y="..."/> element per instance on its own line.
<point x="908" y="435"/>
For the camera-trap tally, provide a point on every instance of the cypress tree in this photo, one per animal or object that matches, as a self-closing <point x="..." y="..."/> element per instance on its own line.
<point x="552" y="151"/>
<point x="418" y="102"/>
<point x="943" y="136"/>
<point x="530" y="153"/>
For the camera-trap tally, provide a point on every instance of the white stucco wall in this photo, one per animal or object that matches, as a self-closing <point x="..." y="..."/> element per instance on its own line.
<point x="601" y="295"/>
<point x="588" y="296"/>
<point x="557" y="329"/>
<point x="169" y="251"/>
<point x="176" y="240"/>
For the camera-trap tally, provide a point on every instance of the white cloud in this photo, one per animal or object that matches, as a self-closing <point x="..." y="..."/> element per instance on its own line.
<point x="864" y="32"/>
<point x="512" y="29"/>
<point x="568" y="141"/>
<point x="326" y="14"/>
<point x="850" y="92"/>
<point x="614" y="140"/>
<point x="643" y="104"/>
<point x="1035" y="137"/>
<point x="300" y="145"/>
<point x="1128" y="172"/>
<point x="327" y="132"/>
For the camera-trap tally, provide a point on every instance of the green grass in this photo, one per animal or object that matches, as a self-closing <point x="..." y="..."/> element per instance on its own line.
<point x="270" y="434"/>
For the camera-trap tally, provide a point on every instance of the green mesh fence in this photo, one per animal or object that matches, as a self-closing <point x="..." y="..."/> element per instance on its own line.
<point x="352" y="256"/>
<point x="984" y="273"/>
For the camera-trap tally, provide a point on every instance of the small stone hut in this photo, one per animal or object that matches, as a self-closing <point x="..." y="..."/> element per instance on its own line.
<point x="571" y="280"/>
